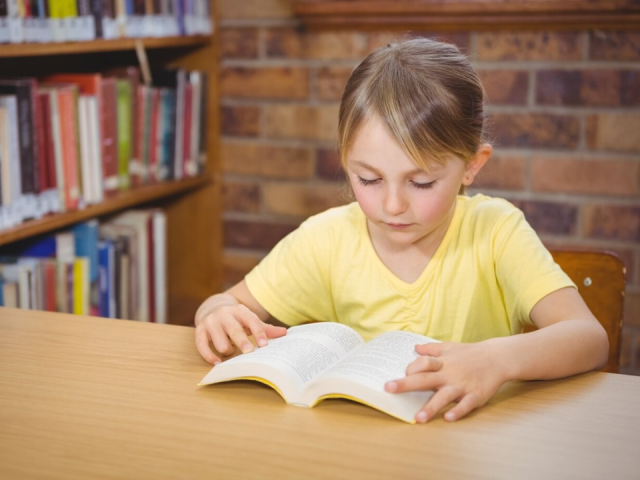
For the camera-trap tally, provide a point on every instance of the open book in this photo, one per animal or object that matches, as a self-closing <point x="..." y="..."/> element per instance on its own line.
<point x="330" y="360"/>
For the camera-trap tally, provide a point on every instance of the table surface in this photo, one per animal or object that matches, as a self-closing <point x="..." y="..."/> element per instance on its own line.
<point x="84" y="397"/>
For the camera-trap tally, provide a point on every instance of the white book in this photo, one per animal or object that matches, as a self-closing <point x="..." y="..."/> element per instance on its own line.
<point x="138" y="220"/>
<point x="5" y="32"/>
<point x="16" y="25"/>
<point x="324" y="360"/>
<point x="160" y="264"/>
<point x="88" y="192"/>
<point x="17" y="212"/>
<point x="95" y="153"/>
<point x="195" y="79"/>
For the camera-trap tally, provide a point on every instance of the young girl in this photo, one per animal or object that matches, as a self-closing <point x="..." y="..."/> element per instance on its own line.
<point x="414" y="253"/>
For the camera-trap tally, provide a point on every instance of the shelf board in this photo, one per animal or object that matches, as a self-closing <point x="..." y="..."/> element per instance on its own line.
<point x="64" y="48"/>
<point x="121" y="201"/>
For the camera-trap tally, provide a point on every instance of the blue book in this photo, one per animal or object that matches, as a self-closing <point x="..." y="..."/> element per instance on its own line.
<point x="106" y="279"/>
<point x="41" y="248"/>
<point x="86" y="245"/>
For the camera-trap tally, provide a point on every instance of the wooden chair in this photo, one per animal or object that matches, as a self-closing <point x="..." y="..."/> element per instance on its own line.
<point x="600" y="278"/>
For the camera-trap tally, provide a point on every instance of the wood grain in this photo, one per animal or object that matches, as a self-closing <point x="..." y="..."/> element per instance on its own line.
<point x="444" y="14"/>
<point x="83" y="397"/>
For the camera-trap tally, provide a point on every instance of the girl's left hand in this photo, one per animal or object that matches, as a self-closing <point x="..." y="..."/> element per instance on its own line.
<point x="466" y="373"/>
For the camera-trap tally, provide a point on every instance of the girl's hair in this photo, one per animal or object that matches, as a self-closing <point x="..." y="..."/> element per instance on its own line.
<point x="428" y="95"/>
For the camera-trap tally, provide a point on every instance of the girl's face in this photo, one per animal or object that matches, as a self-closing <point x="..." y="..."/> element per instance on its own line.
<point x="404" y="205"/>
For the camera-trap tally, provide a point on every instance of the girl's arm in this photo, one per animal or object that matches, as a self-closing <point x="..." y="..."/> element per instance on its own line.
<point x="569" y="341"/>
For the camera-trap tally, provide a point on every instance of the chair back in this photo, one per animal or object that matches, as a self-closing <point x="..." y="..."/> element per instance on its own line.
<point x="600" y="277"/>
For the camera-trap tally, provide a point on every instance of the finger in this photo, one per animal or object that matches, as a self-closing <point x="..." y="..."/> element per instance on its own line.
<point x="220" y="340"/>
<point x="435" y="349"/>
<point x="202" y="344"/>
<point x="415" y="382"/>
<point x="468" y="403"/>
<point x="253" y="323"/>
<point x="437" y="402"/>
<point x="273" y="331"/>
<point x="424" y="363"/>
<point x="235" y="331"/>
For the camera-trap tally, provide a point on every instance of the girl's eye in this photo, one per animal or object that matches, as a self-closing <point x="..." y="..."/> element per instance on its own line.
<point x="366" y="182"/>
<point x="423" y="185"/>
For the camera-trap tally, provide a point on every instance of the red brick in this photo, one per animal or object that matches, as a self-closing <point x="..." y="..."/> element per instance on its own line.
<point x="535" y="130"/>
<point x="329" y="45"/>
<point x="301" y="200"/>
<point x="525" y="45"/>
<point x="276" y="82"/>
<point x="548" y="217"/>
<point x="239" y="43"/>
<point x="616" y="132"/>
<point x="599" y="88"/>
<point x="267" y="161"/>
<point x="236" y="265"/>
<point x="246" y="9"/>
<point x="241" y="196"/>
<point x="593" y="176"/>
<point x="330" y="82"/>
<point x="632" y="309"/>
<point x="302" y="122"/>
<point x="505" y="87"/>
<point x="381" y="39"/>
<point x="254" y="234"/>
<point x="604" y="45"/>
<point x="243" y="121"/>
<point x="612" y="222"/>
<point x="328" y="165"/>
<point x="502" y="173"/>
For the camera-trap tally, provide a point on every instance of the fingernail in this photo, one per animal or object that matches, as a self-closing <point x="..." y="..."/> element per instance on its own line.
<point x="449" y="416"/>
<point x="392" y="386"/>
<point x="421" y="417"/>
<point x="217" y="362"/>
<point x="262" y="342"/>
<point x="247" y="347"/>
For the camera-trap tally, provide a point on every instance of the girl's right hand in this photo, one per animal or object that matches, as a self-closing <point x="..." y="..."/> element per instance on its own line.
<point x="228" y="327"/>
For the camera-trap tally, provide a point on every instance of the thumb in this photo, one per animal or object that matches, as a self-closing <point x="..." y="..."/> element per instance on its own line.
<point x="274" y="332"/>
<point x="434" y="349"/>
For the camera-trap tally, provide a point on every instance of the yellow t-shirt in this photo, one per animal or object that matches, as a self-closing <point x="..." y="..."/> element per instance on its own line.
<point x="482" y="282"/>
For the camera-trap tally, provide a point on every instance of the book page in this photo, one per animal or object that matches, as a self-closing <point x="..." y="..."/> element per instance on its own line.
<point x="362" y="375"/>
<point x="301" y="355"/>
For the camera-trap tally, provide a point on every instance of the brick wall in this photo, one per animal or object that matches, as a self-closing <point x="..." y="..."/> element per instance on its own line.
<point x="565" y="109"/>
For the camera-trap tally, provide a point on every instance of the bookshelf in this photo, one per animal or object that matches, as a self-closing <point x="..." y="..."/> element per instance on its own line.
<point x="192" y="205"/>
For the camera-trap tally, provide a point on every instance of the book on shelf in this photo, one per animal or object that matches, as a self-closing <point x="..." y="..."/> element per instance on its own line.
<point x="113" y="269"/>
<point x="70" y="140"/>
<point x="44" y="21"/>
<point x="325" y="360"/>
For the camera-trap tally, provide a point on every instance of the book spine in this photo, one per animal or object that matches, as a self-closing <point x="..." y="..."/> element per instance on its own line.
<point x="96" y="13"/>
<point x="109" y="136"/>
<point x="69" y="147"/>
<point x="5" y="32"/>
<point x="186" y="135"/>
<point x="124" y="132"/>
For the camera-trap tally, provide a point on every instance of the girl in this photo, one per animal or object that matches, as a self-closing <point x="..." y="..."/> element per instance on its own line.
<point x="414" y="253"/>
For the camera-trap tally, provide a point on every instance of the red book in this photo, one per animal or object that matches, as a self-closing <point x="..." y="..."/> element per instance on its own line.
<point x="153" y="135"/>
<point x="109" y="125"/>
<point x="67" y="98"/>
<point x="50" y="280"/>
<point x="186" y="137"/>
<point x="45" y="141"/>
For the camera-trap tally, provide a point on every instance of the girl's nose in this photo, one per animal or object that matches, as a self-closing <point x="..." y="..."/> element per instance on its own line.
<point x="395" y="202"/>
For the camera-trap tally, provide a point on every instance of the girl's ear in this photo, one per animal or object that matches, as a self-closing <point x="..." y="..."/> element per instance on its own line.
<point x="476" y="163"/>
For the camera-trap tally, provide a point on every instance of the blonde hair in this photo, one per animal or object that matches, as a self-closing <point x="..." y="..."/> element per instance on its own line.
<point x="428" y="95"/>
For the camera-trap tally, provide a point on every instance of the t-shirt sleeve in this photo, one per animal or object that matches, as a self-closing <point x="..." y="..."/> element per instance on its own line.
<point x="292" y="281"/>
<point x="525" y="269"/>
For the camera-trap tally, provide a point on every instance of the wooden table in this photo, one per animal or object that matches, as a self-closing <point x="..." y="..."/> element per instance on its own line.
<point x="83" y="397"/>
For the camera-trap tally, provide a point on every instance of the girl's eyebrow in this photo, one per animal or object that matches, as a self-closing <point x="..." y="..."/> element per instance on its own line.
<point x="373" y="169"/>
